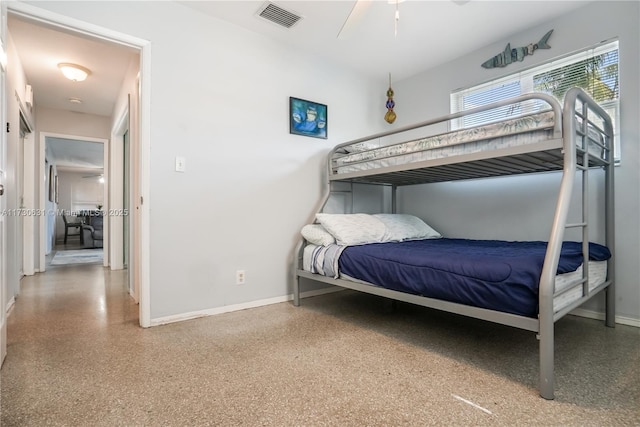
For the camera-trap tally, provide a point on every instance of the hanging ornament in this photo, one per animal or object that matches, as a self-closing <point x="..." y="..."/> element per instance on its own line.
<point x="390" y="117"/>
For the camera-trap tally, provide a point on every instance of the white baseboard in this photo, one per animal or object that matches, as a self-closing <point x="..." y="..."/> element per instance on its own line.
<point x="10" y="304"/>
<point x="236" y="307"/>
<point x="590" y="314"/>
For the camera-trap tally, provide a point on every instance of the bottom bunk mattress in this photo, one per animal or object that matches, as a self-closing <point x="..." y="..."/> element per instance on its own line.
<point x="493" y="274"/>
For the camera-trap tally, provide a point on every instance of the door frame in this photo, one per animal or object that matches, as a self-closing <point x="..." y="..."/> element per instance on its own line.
<point x="116" y="169"/>
<point x="144" y="143"/>
<point x="27" y="141"/>
<point x="43" y="192"/>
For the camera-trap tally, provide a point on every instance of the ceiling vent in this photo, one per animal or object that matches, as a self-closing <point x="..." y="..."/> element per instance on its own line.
<point x="278" y="15"/>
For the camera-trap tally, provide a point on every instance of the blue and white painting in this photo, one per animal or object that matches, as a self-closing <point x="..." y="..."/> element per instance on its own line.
<point x="307" y="118"/>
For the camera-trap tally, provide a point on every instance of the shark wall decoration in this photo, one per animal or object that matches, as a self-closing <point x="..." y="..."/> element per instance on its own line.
<point x="516" y="54"/>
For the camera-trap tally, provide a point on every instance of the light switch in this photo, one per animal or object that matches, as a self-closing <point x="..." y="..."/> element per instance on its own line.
<point x="181" y="164"/>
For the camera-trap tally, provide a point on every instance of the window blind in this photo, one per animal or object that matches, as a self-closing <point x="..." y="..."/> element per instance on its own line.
<point x="595" y="70"/>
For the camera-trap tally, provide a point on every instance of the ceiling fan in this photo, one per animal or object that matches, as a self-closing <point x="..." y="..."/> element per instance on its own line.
<point x="360" y="9"/>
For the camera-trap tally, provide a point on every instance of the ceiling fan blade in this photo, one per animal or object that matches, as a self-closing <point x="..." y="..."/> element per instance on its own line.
<point x="358" y="11"/>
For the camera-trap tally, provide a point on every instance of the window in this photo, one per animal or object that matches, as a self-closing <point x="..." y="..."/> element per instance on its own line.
<point x="595" y="70"/>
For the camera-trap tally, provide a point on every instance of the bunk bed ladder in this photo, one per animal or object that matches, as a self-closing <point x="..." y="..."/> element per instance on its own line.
<point x="571" y="167"/>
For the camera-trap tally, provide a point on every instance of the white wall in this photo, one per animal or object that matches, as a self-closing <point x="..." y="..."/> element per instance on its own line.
<point x="71" y="123"/>
<point x="522" y="207"/>
<point x="219" y="97"/>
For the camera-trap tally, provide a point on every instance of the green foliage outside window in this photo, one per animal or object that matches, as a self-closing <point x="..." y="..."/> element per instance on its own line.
<point x="597" y="75"/>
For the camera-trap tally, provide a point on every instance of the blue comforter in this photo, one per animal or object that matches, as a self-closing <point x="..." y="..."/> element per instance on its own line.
<point x="493" y="274"/>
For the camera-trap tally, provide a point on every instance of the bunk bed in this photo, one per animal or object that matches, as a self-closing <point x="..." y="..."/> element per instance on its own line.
<point x="572" y="139"/>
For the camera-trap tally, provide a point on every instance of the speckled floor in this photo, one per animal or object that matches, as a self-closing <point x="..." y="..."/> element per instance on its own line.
<point x="77" y="357"/>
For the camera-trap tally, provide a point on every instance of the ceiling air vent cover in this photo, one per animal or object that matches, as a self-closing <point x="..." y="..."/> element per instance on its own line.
<point x="278" y="15"/>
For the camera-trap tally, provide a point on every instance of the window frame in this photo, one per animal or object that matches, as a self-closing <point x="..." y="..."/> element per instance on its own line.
<point x="525" y="78"/>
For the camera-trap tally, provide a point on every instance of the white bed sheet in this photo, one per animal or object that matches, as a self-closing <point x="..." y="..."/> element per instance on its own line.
<point x="597" y="276"/>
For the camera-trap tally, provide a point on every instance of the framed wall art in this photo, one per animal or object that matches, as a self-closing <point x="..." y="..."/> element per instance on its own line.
<point x="307" y="118"/>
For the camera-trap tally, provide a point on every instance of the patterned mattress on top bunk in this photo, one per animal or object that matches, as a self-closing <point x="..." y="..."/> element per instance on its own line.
<point x="515" y="132"/>
<point x="402" y="253"/>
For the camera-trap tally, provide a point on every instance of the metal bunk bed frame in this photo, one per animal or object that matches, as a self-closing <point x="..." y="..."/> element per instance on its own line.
<point x="559" y="153"/>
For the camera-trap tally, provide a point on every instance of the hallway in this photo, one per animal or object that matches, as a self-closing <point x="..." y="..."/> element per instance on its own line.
<point x="60" y="344"/>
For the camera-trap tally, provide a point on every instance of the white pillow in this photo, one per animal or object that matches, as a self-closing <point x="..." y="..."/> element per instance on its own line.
<point x="317" y="235"/>
<point x="353" y="229"/>
<point x="401" y="227"/>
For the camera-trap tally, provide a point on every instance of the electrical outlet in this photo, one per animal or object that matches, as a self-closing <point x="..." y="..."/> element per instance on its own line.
<point x="240" y="278"/>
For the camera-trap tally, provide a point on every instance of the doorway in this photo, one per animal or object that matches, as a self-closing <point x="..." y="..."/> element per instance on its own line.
<point x="123" y="179"/>
<point x="136" y="188"/>
<point x="77" y="166"/>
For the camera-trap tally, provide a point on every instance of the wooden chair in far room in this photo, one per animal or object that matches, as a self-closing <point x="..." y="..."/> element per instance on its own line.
<point x="71" y="225"/>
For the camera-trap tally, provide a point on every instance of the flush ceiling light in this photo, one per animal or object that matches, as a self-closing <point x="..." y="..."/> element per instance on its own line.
<point x="74" y="72"/>
<point x="75" y="100"/>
